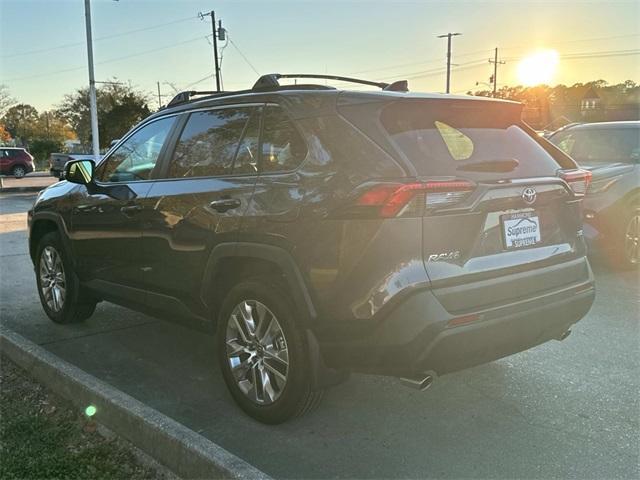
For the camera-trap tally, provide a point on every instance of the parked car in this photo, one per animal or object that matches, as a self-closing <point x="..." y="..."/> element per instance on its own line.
<point x="611" y="151"/>
<point x="15" y="161"/>
<point x="323" y="232"/>
<point x="57" y="161"/>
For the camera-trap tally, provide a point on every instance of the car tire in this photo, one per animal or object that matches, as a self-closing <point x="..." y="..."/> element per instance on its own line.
<point x="63" y="298"/>
<point x="18" y="171"/>
<point x="258" y="334"/>
<point x="627" y="251"/>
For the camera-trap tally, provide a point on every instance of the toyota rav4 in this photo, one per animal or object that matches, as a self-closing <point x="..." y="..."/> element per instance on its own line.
<point x="323" y="232"/>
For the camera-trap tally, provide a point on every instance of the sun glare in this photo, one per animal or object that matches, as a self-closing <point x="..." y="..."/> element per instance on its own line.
<point x="537" y="68"/>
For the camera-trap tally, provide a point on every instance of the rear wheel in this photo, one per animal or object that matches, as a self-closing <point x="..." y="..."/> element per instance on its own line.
<point x="18" y="171"/>
<point x="262" y="352"/>
<point x="61" y="295"/>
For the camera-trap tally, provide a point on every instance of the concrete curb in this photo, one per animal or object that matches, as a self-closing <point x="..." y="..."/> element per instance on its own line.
<point x="180" y="449"/>
<point x="21" y="189"/>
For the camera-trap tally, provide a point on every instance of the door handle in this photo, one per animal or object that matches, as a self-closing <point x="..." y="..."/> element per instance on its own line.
<point x="131" y="210"/>
<point x="225" y="204"/>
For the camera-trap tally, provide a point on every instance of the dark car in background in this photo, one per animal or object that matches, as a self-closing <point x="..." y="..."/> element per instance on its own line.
<point x="15" y="161"/>
<point x="325" y="231"/>
<point x="611" y="151"/>
<point x="57" y="161"/>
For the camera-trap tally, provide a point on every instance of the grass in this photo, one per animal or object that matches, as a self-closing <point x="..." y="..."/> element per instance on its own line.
<point x="44" y="436"/>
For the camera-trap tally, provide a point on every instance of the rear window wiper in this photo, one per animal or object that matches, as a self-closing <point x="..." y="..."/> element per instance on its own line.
<point x="507" y="165"/>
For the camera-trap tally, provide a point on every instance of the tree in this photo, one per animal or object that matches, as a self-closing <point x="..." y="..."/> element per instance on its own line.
<point x="6" y="100"/>
<point x="119" y="108"/>
<point x="20" y="121"/>
<point x="544" y="105"/>
<point x="41" y="148"/>
<point x="5" y="137"/>
<point x="51" y="126"/>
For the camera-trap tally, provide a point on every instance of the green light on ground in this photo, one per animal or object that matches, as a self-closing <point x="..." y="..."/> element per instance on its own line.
<point x="90" y="411"/>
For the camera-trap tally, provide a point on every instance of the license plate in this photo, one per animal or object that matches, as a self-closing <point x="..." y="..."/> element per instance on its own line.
<point x="521" y="230"/>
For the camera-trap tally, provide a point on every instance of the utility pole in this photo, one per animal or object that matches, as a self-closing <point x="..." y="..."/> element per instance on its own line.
<point x="159" y="96"/>
<point x="215" y="49"/>
<point x="494" y="78"/>
<point x="215" y="33"/>
<point x="448" y="36"/>
<point x="93" y="104"/>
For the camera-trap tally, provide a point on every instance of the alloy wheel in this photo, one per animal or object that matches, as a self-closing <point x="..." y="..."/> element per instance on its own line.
<point x="257" y="352"/>
<point x="19" y="172"/>
<point x="632" y="240"/>
<point x="53" y="284"/>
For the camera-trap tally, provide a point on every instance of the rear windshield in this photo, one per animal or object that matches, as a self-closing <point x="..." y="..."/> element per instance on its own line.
<point x="474" y="139"/>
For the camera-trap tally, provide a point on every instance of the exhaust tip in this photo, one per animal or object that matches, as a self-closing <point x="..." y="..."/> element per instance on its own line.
<point x="418" y="382"/>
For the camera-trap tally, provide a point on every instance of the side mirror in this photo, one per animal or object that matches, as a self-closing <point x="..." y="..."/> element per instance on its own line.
<point x="79" y="171"/>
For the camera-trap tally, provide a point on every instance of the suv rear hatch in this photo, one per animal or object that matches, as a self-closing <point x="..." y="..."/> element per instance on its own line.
<point x="495" y="200"/>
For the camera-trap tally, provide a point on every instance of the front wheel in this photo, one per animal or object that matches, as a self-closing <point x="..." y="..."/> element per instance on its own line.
<point x="61" y="295"/>
<point x="262" y="352"/>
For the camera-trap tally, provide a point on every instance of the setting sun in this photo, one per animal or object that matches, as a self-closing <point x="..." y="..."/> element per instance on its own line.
<point x="537" y="68"/>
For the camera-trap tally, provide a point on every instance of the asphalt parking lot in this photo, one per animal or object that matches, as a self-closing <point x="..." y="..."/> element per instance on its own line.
<point x="564" y="409"/>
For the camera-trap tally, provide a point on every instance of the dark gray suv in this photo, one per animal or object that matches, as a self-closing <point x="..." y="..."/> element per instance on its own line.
<point x="325" y="231"/>
<point x="611" y="151"/>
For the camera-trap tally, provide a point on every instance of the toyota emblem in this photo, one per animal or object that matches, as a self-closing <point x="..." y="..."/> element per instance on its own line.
<point x="529" y="195"/>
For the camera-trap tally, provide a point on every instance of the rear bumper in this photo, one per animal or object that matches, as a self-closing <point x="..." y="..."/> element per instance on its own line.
<point x="417" y="335"/>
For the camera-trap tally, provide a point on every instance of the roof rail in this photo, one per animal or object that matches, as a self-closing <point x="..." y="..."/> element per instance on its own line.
<point x="184" y="97"/>
<point x="271" y="81"/>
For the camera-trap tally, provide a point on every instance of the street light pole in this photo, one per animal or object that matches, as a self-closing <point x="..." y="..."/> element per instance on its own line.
<point x="93" y="104"/>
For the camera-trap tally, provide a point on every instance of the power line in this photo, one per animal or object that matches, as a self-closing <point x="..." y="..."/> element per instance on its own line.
<point x="581" y="40"/>
<point x="106" y="37"/>
<point x="111" y="60"/>
<point x="477" y="63"/>
<point x="484" y="51"/>
<point x="426" y="62"/>
<point x="596" y="54"/>
<point x="244" y="57"/>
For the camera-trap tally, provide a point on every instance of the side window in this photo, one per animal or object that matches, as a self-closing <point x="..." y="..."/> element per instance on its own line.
<point x="247" y="158"/>
<point x="211" y="140"/>
<point x="565" y="142"/>
<point x="137" y="156"/>
<point x="283" y="148"/>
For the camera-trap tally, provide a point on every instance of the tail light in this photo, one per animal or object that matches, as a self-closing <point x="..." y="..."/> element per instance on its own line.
<point x="578" y="180"/>
<point x="411" y="199"/>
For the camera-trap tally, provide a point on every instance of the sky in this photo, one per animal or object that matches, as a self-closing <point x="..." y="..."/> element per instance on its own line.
<point x="141" y="42"/>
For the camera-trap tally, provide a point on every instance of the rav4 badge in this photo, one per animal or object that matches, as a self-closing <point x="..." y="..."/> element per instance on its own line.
<point x="438" y="257"/>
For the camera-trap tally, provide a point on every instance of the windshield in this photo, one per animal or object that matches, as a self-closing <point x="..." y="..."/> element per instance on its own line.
<point x="483" y="140"/>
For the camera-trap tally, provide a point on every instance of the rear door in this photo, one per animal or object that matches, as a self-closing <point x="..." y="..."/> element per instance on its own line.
<point x="506" y="210"/>
<point x="277" y="198"/>
<point x="199" y="203"/>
